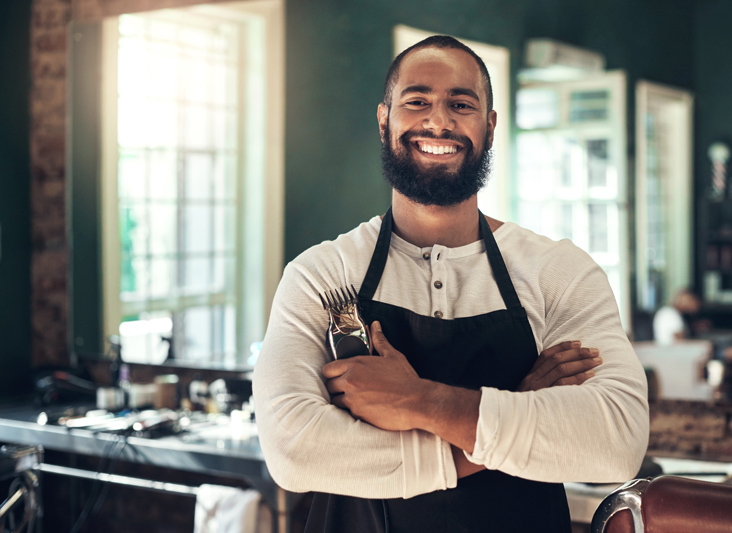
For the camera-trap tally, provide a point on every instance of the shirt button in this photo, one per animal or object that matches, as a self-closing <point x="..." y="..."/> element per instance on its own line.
<point x="426" y="256"/>
<point x="438" y="314"/>
<point x="438" y="284"/>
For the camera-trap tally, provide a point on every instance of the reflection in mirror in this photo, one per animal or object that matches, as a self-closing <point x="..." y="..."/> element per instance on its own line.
<point x="190" y="188"/>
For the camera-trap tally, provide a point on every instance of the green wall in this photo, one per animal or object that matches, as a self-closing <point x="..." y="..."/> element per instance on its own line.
<point x="338" y="52"/>
<point x="713" y="105"/>
<point x="15" y="335"/>
<point x="712" y="83"/>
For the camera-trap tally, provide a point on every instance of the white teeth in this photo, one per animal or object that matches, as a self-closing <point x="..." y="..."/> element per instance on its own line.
<point x="438" y="149"/>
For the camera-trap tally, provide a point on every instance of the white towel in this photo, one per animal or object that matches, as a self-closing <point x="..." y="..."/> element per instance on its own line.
<point x="222" y="509"/>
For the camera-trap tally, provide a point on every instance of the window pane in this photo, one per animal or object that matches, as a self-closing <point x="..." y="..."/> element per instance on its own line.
<point x="225" y="218"/>
<point x="197" y="127"/>
<point x="196" y="277"/>
<point x="163" y="174"/>
<point x="132" y="174"/>
<point x="223" y="272"/>
<point x="589" y="106"/>
<point x="566" y="221"/>
<point x="164" y="70"/>
<point x="598" y="214"/>
<point x="197" y="78"/>
<point x="197" y="324"/>
<point x="197" y="227"/>
<point x="132" y="67"/>
<point x="135" y="279"/>
<point x="597" y="162"/>
<point x="225" y="177"/>
<point x="162" y="272"/>
<point x="225" y="129"/>
<point x="133" y="227"/>
<point x="163" y="228"/>
<point x="198" y="171"/>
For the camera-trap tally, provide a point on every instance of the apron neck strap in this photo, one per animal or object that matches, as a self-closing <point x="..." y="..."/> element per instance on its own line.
<point x="378" y="259"/>
<point x="500" y="272"/>
<point x="381" y="252"/>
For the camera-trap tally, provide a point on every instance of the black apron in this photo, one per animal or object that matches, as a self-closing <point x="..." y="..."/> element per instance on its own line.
<point x="496" y="349"/>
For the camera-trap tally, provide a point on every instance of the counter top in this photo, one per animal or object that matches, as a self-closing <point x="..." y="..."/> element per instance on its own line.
<point x="209" y="448"/>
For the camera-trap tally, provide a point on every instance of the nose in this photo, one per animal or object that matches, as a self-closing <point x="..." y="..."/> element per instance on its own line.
<point x="439" y="119"/>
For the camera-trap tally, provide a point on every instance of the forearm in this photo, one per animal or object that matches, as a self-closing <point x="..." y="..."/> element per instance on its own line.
<point x="576" y="433"/>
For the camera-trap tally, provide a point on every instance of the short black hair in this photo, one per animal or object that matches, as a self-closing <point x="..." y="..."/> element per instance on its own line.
<point x="436" y="41"/>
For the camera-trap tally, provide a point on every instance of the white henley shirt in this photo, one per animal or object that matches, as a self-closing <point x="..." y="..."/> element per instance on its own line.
<point x="595" y="432"/>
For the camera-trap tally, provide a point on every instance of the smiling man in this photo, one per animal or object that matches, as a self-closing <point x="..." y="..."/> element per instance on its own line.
<point x="501" y="369"/>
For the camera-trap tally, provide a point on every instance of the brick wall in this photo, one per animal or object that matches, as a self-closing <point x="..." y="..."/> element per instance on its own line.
<point x="49" y="262"/>
<point x="50" y="256"/>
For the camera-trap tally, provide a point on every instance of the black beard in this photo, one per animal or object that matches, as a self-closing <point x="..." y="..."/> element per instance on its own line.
<point x="436" y="185"/>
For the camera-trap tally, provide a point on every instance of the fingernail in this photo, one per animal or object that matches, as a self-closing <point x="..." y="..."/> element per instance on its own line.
<point x="594" y="351"/>
<point x="597" y="360"/>
<point x="376" y="325"/>
<point x="576" y="344"/>
<point x="590" y="373"/>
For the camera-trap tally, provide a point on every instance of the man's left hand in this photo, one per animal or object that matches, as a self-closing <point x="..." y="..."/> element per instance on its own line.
<point x="382" y="390"/>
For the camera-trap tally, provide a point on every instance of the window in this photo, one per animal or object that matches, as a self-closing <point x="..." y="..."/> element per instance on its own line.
<point x="571" y="179"/>
<point x="192" y="180"/>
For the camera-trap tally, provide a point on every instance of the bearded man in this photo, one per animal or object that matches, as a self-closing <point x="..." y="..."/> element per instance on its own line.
<point x="501" y="366"/>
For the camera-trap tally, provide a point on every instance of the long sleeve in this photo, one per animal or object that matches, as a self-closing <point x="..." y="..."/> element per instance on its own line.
<point x="596" y="432"/>
<point x="311" y="445"/>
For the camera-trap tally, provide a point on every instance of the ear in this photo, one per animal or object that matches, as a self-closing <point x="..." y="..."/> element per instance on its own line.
<point x="491" y="129"/>
<point x="382" y="115"/>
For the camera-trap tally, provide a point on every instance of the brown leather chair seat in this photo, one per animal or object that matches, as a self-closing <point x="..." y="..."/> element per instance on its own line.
<point x="666" y="504"/>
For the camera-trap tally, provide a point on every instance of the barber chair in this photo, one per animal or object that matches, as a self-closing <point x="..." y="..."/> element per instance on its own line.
<point x="666" y="504"/>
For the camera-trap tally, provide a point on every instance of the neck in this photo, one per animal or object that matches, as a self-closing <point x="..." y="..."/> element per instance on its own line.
<point x="425" y="226"/>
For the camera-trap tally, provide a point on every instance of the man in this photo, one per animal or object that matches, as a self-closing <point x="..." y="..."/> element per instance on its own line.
<point x="457" y="425"/>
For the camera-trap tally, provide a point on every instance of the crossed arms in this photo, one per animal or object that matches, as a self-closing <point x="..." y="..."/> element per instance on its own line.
<point x="593" y="432"/>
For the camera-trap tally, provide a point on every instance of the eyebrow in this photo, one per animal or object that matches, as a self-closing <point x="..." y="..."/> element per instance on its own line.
<point x="426" y="89"/>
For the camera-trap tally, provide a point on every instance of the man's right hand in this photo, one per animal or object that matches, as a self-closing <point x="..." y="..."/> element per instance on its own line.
<point x="566" y="363"/>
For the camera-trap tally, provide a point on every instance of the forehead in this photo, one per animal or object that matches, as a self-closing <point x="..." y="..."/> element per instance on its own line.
<point x="440" y="69"/>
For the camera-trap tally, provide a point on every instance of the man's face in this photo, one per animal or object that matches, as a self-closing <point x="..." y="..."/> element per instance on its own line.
<point x="437" y="132"/>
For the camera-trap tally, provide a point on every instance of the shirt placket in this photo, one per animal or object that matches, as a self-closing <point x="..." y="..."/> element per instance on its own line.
<point x="438" y="281"/>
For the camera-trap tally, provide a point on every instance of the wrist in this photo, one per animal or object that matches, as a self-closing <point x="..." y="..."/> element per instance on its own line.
<point x="451" y="413"/>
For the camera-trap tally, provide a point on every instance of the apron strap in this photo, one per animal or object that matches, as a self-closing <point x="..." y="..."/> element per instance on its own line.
<point x="378" y="259"/>
<point x="500" y="272"/>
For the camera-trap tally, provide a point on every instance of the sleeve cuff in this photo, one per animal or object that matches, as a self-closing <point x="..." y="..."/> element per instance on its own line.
<point x="485" y="432"/>
<point x="428" y="463"/>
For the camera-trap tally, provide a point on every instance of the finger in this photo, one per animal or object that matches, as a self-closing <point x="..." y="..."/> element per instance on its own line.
<point x="561" y="347"/>
<point x="568" y="370"/>
<point x="335" y="368"/>
<point x="382" y="346"/>
<point x="339" y="400"/>
<point x="577" y="379"/>
<point x="549" y="364"/>
<point x="335" y="386"/>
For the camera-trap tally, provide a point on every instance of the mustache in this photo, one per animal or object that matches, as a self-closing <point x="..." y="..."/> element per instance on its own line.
<point x="427" y="134"/>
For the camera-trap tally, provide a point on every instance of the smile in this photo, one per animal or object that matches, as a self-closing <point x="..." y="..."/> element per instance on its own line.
<point x="437" y="147"/>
